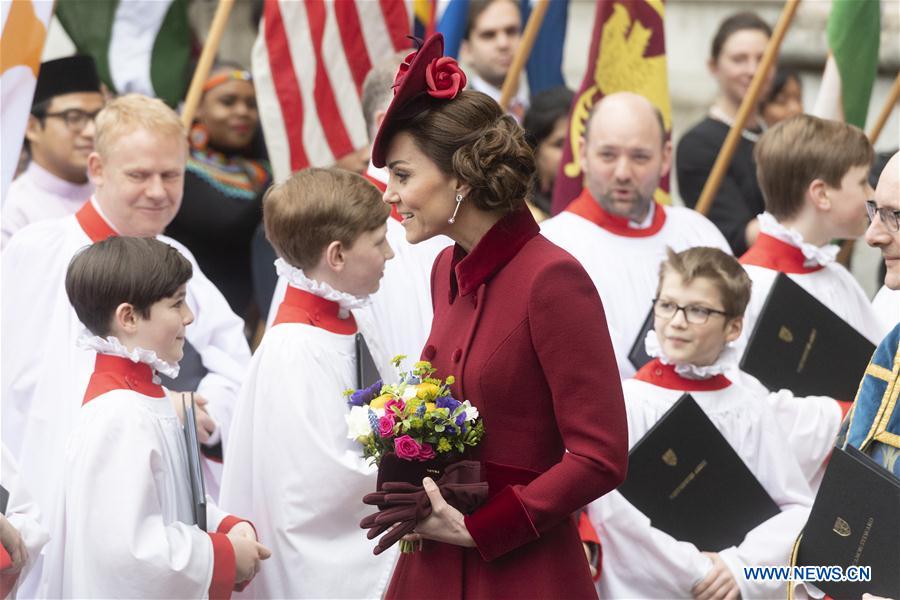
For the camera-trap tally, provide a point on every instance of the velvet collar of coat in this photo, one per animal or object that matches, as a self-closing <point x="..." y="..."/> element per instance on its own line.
<point x="498" y="246"/>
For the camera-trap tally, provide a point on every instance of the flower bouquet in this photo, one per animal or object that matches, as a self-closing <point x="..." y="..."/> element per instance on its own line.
<point x="413" y="429"/>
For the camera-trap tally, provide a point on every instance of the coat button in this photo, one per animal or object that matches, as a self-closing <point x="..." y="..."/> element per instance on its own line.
<point x="457" y="354"/>
<point x="429" y="352"/>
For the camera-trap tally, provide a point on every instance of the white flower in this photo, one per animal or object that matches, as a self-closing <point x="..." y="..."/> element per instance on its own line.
<point x="471" y="411"/>
<point x="358" y="422"/>
<point x="410" y="392"/>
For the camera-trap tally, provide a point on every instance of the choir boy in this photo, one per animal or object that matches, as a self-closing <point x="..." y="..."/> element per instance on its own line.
<point x="126" y="527"/>
<point x="699" y="305"/>
<point x="290" y="464"/>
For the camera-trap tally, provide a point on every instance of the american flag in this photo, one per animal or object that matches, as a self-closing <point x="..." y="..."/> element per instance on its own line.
<point x="309" y="63"/>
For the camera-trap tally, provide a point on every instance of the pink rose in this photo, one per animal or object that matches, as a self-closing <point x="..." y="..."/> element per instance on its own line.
<point x="444" y="78"/>
<point x="407" y="448"/>
<point x="404" y="67"/>
<point x="386" y="425"/>
<point x="427" y="452"/>
<point x="398" y="402"/>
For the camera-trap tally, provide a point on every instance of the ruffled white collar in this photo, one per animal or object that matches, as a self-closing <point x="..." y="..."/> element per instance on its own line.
<point x="726" y="362"/>
<point x="297" y="278"/>
<point x="814" y="256"/>
<point x="112" y="346"/>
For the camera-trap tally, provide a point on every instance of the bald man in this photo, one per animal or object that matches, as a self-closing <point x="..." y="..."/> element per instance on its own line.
<point x="873" y="424"/>
<point x="614" y="228"/>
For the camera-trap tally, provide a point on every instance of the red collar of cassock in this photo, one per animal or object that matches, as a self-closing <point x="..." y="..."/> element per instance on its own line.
<point x="95" y="226"/>
<point x="771" y="253"/>
<point x="586" y="207"/>
<point x="664" y="376"/>
<point x="118" y="373"/>
<point x="498" y="246"/>
<point x="300" y="306"/>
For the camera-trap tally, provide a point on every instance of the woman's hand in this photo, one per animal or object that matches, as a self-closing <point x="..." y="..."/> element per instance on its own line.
<point x="718" y="584"/>
<point x="445" y="524"/>
<point x="14" y="545"/>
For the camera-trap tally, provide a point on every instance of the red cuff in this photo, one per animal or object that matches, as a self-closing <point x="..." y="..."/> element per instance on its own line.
<point x="5" y="559"/>
<point x="224" y="567"/>
<point x="501" y="524"/>
<point x="230" y="521"/>
<point x="588" y="535"/>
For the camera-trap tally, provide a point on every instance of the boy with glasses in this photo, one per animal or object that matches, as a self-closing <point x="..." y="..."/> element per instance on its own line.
<point x="59" y="138"/>
<point x="699" y="307"/>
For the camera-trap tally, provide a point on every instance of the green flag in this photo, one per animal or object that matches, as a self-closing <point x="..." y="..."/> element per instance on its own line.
<point x="854" y="31"/>
<point x="140" y="46"/>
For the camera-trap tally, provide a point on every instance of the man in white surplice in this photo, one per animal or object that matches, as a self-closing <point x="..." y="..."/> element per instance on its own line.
<point x="614" y="228"/>
<point x="138" y="169"/>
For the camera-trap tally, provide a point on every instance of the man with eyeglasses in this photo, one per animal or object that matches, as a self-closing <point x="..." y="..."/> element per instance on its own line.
<point x="873" y="424"/>
<point x="884" y="233"/>
<point x="615" y="228"/>
<point x="59" y="138"/>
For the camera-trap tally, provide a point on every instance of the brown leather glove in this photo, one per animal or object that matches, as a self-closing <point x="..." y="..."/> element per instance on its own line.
<point x="403" y="505"/>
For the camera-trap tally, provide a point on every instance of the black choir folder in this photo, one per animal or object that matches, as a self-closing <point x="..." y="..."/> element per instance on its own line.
<point x="800" y="345"/>
<point x="691" y="483"/>
<point x="195" y="471"/>
<point x="855" y="520"/>
<point x="638" y="355"/>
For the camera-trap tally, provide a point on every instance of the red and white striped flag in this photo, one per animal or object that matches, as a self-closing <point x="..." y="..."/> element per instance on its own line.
<point x="309" y="63"/>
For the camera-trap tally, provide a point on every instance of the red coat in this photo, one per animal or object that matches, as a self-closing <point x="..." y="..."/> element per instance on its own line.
<point x="520" y="325"/>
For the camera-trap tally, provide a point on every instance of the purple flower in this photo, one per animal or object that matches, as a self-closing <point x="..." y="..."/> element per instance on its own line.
<point x="460" y="419"/>
<point x="365" y="395"/>
<point x="448" y="402"/>
<point x="386" y="425"/>
<point x="407" y="448"/>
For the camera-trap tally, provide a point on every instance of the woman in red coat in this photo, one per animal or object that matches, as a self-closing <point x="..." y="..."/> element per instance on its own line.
<point x="519" y="324"/>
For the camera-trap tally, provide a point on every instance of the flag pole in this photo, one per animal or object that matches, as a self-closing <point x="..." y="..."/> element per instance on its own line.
<point x="748" y="104"/>
<point x="893" y="97"/>
<point x="201" y="73"/>
<point x="511" y="83"/>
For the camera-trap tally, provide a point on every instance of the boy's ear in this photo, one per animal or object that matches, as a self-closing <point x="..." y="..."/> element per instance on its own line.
<point x="125" y="318"/>
<point x="95" y="169"/>
<point x="733" y="328"/>
<point x="817" y="193"/>
<point x="334" y="256"/>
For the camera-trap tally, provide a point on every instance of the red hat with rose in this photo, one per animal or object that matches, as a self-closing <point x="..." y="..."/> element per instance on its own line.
<point x="425" y="77"/>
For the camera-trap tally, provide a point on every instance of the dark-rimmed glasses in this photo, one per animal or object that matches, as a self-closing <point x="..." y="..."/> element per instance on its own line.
<point x="698" y="315"/>
<point x="74" y="118"/>
<point x="890" y="217"/>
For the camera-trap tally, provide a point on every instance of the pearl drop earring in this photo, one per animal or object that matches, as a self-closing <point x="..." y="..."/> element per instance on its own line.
<point x="459" y="200"/>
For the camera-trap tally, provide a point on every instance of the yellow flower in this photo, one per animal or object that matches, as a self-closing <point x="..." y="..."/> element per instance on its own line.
<point x="422" y="364"/>
<point x="380" y="401"/>
<point x="427" y="391"/>
<point x="451" y="380"/>
<point x="443" y="445"/>
<point x="430" y="406"/>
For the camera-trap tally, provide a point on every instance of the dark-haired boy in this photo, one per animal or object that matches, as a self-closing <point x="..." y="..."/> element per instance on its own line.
<point x="126" y="523"/>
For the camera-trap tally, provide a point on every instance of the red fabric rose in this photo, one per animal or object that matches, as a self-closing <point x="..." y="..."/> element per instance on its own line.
<point x="401" y="71"/>
<point x="444" y="78"/>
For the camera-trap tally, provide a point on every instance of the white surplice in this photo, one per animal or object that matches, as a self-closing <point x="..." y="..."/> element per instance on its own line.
<point x="44" y="372"/>
<point x="625" y="269"/>
<point x="640" y="561"/>
<point x="124" y="516"/>
<point x="291" y="468"/>
<point x="22" y="513"/>
<point x="38" y="195"/>
<point x="886" y="305"/>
